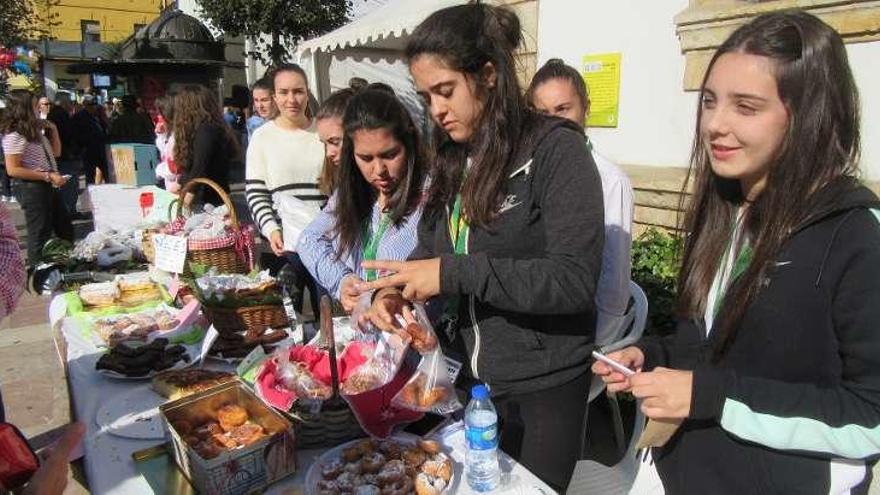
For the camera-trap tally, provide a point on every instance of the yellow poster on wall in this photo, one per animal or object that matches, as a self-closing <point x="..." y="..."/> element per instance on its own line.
<point x="601" y="73"/>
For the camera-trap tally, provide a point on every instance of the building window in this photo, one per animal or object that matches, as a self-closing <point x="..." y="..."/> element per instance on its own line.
<point x="91" y="31"/>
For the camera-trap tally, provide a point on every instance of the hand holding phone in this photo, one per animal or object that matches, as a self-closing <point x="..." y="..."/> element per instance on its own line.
<point x="614" y="364"/>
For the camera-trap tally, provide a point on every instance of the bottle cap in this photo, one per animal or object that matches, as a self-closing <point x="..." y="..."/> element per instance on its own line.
<point x="479" y="392"/>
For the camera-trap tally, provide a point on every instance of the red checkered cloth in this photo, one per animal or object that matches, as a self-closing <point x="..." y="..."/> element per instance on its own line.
<point x="11" y="265"/>
<point x="242" y="239"/>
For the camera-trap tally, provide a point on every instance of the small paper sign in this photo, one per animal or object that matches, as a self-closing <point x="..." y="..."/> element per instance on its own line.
<point x="247" y="369"/>
<point x="210" y="337"/>
<point x="170" y="252"/>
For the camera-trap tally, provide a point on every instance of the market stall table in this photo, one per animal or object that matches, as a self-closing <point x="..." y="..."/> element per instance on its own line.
<point x="108" y="461"/>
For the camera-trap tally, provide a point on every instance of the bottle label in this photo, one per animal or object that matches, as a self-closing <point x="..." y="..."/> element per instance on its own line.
<point x="481" y="438"/>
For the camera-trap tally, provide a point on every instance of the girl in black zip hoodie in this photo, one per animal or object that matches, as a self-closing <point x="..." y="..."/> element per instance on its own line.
<point x="511" y="240"/>
<point x="772" y="381"/>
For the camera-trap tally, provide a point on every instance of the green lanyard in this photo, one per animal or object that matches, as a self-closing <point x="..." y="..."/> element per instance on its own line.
<point x="740" y="265"/>
<point x="458" y="228"/>
<point x="371" y="244"/>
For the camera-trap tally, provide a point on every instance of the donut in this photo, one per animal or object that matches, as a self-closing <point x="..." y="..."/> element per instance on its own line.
<point x="414" y="457"/>
<point x="346" y="482"/>
<point x="373" y="462"/>
<point x="332" y="469"/>
<point x="351" y="454"/>
<point x="182" y="427"/>
<point x="423" y="340"/>
<point x="392" y="472"/>
<point x="438" y="466"/>
<point x="429" y="485"/>
<point x="231" y="415"/>
<point x="367" y="490"/>
<point x="207" y="430"/>
<point x="431" y="447"/>
<point x="365" y="447"/>
<point x="208" y="449"/>
<point x="391" y="449"/>
<point x="247" y="433"/>
<point x="328" y="487"/>
<point x="227" y="442"/>
<point x="403" y="486"/>
<point x="354" y="467"/>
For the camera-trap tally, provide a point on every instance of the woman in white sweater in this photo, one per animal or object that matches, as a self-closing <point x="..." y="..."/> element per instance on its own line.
<point x="284" y="154"/>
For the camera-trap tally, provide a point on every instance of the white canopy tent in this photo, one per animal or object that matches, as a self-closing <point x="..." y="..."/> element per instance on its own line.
<point x="370" y="47"/>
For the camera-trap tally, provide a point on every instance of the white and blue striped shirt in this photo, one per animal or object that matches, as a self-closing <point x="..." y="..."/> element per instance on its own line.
<point x="318" y="246"/>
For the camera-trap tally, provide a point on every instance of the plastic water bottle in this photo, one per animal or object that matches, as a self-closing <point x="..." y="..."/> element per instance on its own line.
<point x="481" y="431"/>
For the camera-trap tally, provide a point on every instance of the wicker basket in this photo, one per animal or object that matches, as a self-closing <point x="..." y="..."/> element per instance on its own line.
<point x="252" y="320"/>
<point x="147" y="245"/>
<point x="335" y="423"/>
<point x="224" y="258"/>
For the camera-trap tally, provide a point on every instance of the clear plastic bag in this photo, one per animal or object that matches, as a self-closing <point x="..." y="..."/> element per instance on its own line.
<point x="430" y="388"/>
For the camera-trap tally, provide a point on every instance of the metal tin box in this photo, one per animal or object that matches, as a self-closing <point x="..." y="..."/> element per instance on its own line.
<point x="238" y="471"/>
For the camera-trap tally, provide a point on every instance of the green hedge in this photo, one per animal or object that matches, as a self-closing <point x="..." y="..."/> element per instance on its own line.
<point x="656" y="257"/>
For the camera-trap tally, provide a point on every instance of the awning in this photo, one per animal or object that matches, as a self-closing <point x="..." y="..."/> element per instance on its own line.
<point x="384" y="27"/>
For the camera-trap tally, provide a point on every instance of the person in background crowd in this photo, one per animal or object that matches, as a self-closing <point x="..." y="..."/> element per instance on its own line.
<point x="284" y="157"/>
<point x="377" y="206"/>
<point x="5" y="181"/>
<point x="264" y="107"/>
<point x="771" y="383"/>
<point x="167" y="171"/>
<point x="131" y="126"/>
<point x="30" y="146"/>
<point x="559" y="90"/>
<point x="204" y="146"/>
<point x="328" y="122"/>
<point x="357" y="83"/>
<point x="511" y="238"/>
<point x="43" y="107"/>
<point x="113" y="108"/>
<point x="91" y="136"/>
<point x="69" y="163"/>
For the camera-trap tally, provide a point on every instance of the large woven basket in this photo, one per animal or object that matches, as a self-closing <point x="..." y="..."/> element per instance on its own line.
<point x="252" y="320"/>
<point x="335" y="423"/>
<point x="224" y="258"/>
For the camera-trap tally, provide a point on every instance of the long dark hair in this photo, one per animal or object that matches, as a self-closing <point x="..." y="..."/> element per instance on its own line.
<point x="20" y="116"/>
<point x="195" y="106"/>
<point x="466" y="37"/>
<point x="368" y="110"/>
<point x="821" y="144"/>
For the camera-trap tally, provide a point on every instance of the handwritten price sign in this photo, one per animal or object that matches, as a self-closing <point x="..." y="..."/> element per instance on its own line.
<point x="170" y="252"/>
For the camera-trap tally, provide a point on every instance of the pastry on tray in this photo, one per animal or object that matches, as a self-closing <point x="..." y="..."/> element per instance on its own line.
<point x="140" y="361"/>
<point x="99" y="294"/>
<point x="180" y="383"/>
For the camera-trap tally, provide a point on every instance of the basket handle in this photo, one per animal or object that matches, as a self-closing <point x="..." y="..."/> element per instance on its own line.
<point x="328" y="337"/>
<point x="190" y="184"/>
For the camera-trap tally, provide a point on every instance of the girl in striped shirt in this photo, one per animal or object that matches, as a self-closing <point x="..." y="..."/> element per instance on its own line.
<point x="377" y="204"/>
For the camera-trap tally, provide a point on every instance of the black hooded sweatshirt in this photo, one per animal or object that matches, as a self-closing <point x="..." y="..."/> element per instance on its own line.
<point x="526" y="318"/>
<point x="793" y="405"/>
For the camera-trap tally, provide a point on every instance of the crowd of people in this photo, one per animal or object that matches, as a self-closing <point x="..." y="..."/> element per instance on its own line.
<point x="516" y="232"/>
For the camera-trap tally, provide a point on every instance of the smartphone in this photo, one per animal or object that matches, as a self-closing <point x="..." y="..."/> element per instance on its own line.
<point x="614" y="364"/>
<point x="67" y="176"/>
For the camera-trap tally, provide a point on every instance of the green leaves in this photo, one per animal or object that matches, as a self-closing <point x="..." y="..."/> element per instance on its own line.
<point x="656" y="259"/>
<point x="286" y="22"/>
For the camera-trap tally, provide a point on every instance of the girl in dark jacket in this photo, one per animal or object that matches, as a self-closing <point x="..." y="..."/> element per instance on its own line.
<point x="204" y="146"/>
<point x="511" y="238"/>
<point x="772" y="381"/>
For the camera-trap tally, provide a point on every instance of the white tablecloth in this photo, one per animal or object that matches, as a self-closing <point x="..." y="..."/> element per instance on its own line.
<point x="108" y="462"/>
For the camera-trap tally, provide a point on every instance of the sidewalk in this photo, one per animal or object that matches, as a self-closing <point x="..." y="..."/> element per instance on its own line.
<point x="32" y="377"/>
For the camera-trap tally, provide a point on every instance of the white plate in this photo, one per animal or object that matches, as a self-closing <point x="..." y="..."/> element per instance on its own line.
<point x="313" y="475"/>
<point x="191" y="350"/>
<point x="135" y="414"/>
